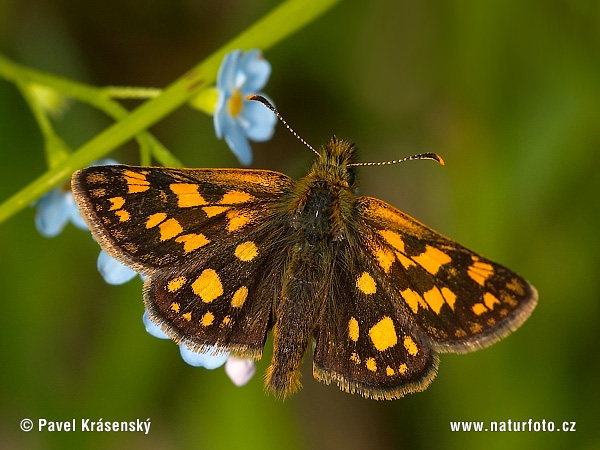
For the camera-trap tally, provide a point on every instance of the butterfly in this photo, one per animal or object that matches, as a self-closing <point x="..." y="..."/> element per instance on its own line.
<point x="230" y="255"/>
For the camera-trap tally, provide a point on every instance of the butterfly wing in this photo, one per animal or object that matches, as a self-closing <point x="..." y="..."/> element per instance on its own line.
<point x="199" y="235"/>
<point x="404" y="292"/>
<point x="455" y="300"/>
<point x="362" y="343"/>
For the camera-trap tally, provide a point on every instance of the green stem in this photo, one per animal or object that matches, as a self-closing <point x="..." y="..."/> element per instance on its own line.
<point x="275" y="26"/>
<point x="86" y="94"/>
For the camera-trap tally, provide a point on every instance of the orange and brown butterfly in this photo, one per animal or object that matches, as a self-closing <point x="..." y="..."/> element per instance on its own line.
<point x="231" y="254"/>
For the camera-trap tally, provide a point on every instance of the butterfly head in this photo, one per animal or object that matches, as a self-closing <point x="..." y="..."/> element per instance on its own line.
<point x="332" y="163"/>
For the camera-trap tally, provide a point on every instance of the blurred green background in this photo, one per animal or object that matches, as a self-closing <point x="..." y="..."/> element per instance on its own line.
<point x="508" y="92"/>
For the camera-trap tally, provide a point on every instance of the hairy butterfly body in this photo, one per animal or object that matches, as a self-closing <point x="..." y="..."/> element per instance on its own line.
<point x="231" y="254"/>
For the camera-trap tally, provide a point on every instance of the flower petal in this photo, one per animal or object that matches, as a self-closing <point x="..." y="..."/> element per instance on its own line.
<point x="74" y="213"/>
<point x="153" y="328"/>
<point x="226" y="77"/>
<point x="240" y="370"/>
<point x="238" y="144"/>
<point x="221" y="118"/>
<point x="112" y="270"/>
<point x="256" y="70"/>
<point x="208" y="360"/>
<point x="53" y="213"/>
<point x="259" y="121"/>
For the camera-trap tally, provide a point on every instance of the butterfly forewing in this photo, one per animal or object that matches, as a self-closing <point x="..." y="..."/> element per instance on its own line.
<point x="152" y="218"/>
<point x="458" y="300"/>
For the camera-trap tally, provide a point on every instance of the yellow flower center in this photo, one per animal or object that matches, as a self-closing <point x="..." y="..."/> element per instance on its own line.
<point x="235" y="104"/>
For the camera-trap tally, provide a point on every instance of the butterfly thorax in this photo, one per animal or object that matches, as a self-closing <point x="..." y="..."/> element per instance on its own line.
<point x="322" y="203"/>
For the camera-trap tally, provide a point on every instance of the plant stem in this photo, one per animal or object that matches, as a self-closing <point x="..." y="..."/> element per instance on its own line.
<point x="272" y="28"/>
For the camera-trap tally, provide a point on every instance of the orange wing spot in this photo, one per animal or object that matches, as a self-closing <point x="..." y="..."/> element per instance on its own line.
<point x="449" y="297"/>
<point x="385" y="258"/>
<point x="246" y="251"/>
<point x="234" y="197"/>
<point x="239" y="297"/>
<point x="403" y="368"/>
<point x="355" y="358"/>
<point x="187" y="195"/>
<point x="410" y="346"/>
<point x="353" y="329"/>
<point x="508" y="299"/>
<point x="208" y="286"/>
<point x="516" y="286"/>
<point x="432" y="259"/>
<point x="460" y="333"/>
<point x="97" y="193"/>
<point x="480" y="272"/>
<point x="135" y="188"/>
<point x="155" y="219"/>
<point x="413" y="300"/>
<point x="169" y="229"/>
<point x="130" y="247"/>
<point x="175" y="307"/>
<point x="389" y="371"/>
<point x="226" y="321"/>
<point x="490" y="300"/>
<point x="434" y="299"/>
<point x="393" y="238"/>
<point x="192" y="241"/>
<point x="237" y="221"/>
<point x="383" y="334"/>
<point x="371" y="364"/>
<point x="96" y="178"/>
<point x="212" y="211"/>
<point x="366" y="284"/>
<point x="123" y="215"/>
<point x="187" y="316"/>
<point x="134" y="175"/>
<point x="406" y="262"/>
<point x="478" y="309"/>
<point x="176" y="283"/>
<point x="475" y="328"/>
<point x="136" y="182"/>
<point x="491" y="321"/>
<point x="116" y="203"/>
<point x="207" y="319"/>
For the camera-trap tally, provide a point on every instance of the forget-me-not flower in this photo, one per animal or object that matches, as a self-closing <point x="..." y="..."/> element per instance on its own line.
<point x="113" y="271"/>
<point x="239" y="370"/>
<point x="237" y="119"/>
<point x="57" y="207"/>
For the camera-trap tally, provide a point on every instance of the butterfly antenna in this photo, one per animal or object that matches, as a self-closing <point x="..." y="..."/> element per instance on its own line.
<point x="433" y="156"/>
<point x="267" y="103"/>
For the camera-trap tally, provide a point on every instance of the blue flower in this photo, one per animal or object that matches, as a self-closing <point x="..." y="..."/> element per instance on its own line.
<point x="56" y="208"/>
<point x="239" y="370"/>
<point x="153" y="328"/>
<point x="210" y="359"/>
<point x="112" y="270"/>
<point x="237" y="119"/>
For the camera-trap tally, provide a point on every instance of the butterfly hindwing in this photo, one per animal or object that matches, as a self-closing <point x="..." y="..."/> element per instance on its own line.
<point x="363" y="344"/>
<point x="221" y="301"/>
<point x="458" y="300"/>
